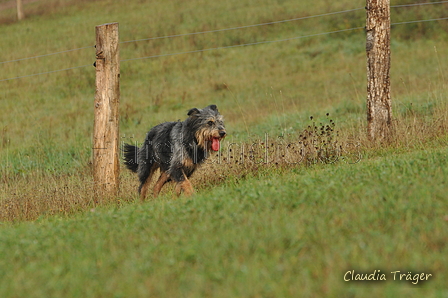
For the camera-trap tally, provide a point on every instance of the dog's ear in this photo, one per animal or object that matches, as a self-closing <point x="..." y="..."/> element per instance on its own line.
<point x="193" y="112"/>
<point x="213" y="107"/>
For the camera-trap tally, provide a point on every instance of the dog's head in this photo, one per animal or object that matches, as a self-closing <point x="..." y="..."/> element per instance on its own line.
<point x="208" y="125"/>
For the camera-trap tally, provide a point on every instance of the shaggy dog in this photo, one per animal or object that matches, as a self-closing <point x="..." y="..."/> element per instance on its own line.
<point x="177" y="149"/>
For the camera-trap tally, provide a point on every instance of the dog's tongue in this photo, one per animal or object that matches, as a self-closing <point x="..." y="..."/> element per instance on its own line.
<point x="215" y="144"/>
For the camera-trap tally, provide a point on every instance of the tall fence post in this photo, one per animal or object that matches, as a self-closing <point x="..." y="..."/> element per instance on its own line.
<point x="379" y="110"/>
<point x="20" y="13"/>
<point x="106" y="166"/>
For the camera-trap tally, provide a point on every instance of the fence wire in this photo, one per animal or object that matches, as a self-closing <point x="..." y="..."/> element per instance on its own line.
<point x="193" y="33"/>
<point x="226" y="29"/>
<point x="245" y="44"/>
<point x="244" y="27"/>
<point x="221" y="30"/>
<point x="418" y="4"/>
<point x="278" y="40"/>
<point x="46" y="55"/>
<point x="419" y="21"/>
<point x="46" y="72"/>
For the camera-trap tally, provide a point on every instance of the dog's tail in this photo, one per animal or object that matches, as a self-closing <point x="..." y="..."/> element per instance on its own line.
<point x="130" y="157"/>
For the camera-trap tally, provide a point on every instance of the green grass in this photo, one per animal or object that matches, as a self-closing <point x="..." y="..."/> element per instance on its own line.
<point x="294" y="234"/>
<point x="252" y="229"/>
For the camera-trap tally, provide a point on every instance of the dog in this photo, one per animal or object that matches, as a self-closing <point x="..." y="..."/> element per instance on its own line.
<point x="177" y="149"/>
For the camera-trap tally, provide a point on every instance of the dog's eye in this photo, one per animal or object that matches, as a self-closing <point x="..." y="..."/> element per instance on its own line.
<point x="210" y="123"/>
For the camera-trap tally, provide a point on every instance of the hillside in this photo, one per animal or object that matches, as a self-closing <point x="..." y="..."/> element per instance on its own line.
<point x="281" y="225"/>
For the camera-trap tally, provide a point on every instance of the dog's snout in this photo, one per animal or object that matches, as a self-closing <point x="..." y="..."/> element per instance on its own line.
<point x="222" y="133"/>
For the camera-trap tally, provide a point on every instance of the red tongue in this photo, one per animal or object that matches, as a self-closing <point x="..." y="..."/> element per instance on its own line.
<point x="215" y="144"/>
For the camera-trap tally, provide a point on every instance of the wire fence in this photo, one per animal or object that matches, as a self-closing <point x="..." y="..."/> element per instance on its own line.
<point x="223" y="30"/>
<point x="244" y="44"/>
<point x="248" y="26"/>
<point x="193" y="33"/>
<point x="46" y="55"/>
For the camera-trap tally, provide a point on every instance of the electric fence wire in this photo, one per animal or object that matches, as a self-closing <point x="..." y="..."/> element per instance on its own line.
<point x="192" y="33"/>
<point x="275" y="22"/>
<point x="46" y="55"/>
<point x="225" y="47"/>
<point x="46" y="72"/>
<point x="244" y="27"/>
<point x="417" y="4"/>
<point x="189" y="52"/>
<point x="273" y="41"/>
<point x="419" y="21"/>
<point x="243" y="45"/>
<point x="226" y="29"/>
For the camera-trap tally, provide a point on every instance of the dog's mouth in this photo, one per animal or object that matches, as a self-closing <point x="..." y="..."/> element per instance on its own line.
<point x="215" y="143"/>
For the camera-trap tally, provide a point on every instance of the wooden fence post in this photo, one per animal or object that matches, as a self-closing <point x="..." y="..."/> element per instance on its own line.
<point x="379" y="110"/>
<point x="106" y="166"/>
<point x="20" y="13"/>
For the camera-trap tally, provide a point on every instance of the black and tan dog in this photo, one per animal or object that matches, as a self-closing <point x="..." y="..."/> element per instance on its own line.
<point x="176" y="148"/>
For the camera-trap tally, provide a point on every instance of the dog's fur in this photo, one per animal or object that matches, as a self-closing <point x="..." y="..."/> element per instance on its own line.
<point x="176" y="148"/>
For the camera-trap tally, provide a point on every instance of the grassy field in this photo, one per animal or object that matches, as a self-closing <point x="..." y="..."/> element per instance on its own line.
<point x="290" y="234"/>
<point x="288" y="226"/>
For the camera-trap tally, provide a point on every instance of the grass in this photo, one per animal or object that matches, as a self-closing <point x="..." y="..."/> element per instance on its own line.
<point x="260" y="238"/>
<point x="256" y="227"/>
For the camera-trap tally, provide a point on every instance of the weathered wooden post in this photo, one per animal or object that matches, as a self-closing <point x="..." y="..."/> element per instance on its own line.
<point x="20" y="13"/>
<point x="379" y="110"/>
<point x="106" y="165"/>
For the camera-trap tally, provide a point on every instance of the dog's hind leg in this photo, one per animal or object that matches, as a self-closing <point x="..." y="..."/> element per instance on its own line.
<point x="145" y="180"/>
<point x="184" y="185"/>
<point x="164" y="177"/>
